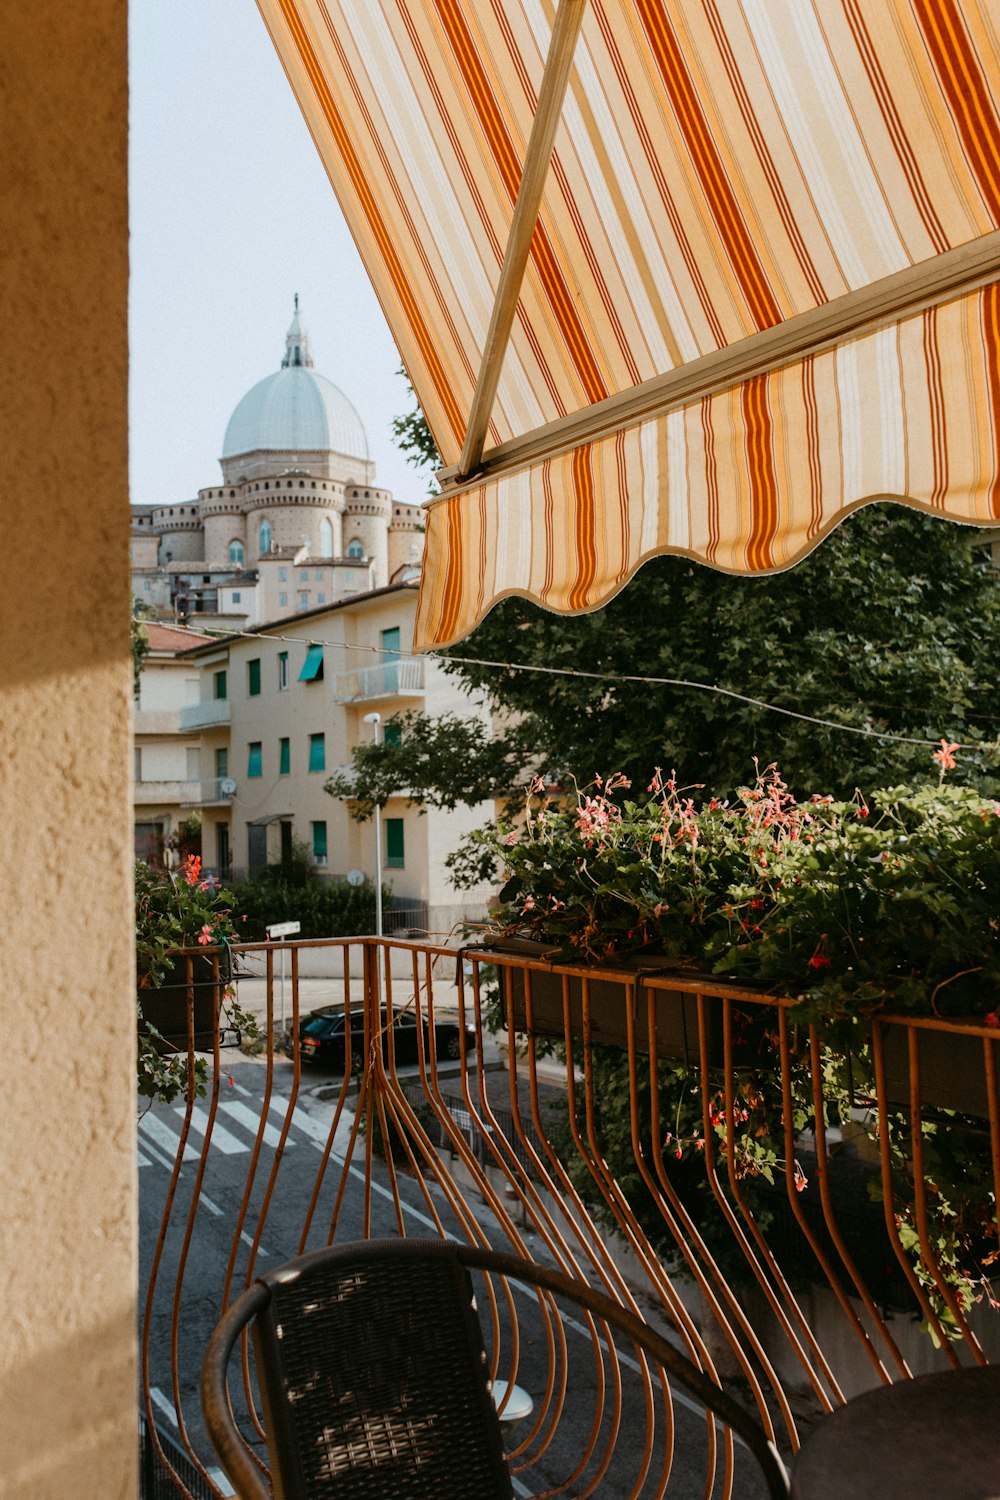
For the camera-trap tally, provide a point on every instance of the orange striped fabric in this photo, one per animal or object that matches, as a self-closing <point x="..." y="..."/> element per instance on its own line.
<point x="718" y="170"/>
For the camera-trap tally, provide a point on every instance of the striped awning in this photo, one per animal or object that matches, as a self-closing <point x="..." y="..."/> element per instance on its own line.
<point x="694" y="277"/>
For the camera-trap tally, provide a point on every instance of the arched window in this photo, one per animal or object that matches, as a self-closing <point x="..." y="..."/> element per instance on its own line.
<point x="355" y="548"/>
<point x="264" y="537"/>
<point x="325" y="538"/>
<point x="236" y="551"/>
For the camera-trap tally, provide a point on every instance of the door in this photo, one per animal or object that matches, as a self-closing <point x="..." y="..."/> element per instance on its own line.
<point x="257" y="847"/>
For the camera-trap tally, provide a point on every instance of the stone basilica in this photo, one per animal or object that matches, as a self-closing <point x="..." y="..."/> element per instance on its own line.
<point x="297" y="522"/>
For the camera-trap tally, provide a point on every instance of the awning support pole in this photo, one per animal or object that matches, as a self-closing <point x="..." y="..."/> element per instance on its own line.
<point x="558" y="65"/>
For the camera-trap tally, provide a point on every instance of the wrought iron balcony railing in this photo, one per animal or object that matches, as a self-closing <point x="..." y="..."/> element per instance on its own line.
<point x="790" y="1208"/>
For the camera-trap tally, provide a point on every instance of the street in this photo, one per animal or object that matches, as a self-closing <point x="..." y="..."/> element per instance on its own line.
<point x="247" y="1218"/>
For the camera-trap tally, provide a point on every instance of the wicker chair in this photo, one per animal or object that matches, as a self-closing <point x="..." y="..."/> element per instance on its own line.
<point x="374" y="1380"/>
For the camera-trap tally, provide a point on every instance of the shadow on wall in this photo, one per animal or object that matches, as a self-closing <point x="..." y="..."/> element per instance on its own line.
<point x="86" y="1373"/>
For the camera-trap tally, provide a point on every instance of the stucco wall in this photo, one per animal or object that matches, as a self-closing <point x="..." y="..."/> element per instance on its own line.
<point x="67" y="1113"/>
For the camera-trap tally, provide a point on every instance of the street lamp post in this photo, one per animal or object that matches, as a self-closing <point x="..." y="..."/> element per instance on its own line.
<point x="375" y="720"/>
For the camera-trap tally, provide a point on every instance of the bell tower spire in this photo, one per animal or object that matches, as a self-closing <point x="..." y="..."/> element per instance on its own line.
<point x="296" y="343"/>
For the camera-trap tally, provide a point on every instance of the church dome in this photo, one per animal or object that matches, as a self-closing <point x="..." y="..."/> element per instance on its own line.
<point x="295" y="410"/>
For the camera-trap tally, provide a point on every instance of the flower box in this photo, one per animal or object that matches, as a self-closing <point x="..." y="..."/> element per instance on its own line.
<point x="612" y="987"/>
<point x="165" y="1007"/>
<point x="952" y="1069"/>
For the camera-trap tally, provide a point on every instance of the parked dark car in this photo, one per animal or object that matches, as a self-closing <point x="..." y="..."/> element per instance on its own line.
<point x="323" y="1038"/>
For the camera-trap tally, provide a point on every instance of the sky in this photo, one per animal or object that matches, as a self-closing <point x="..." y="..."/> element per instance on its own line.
<point x="231" y="213"/>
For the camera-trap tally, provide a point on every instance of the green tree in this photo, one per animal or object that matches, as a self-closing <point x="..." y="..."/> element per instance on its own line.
<point x="139" y="642"/>
<point x="890" y="626"/>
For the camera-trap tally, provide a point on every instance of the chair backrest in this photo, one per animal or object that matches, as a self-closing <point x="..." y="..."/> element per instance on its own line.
<point x="374" y="1379"/>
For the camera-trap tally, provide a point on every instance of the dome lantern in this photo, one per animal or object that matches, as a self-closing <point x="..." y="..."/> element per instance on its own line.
<point x="296" y="343"/>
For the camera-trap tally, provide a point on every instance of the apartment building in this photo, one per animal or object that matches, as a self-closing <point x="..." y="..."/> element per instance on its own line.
<point x="281" y="707"/>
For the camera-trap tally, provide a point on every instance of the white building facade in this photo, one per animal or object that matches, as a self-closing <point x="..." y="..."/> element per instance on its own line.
<point x="281" y="709"/>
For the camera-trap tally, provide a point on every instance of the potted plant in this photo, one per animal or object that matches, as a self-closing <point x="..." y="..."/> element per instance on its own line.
<point x="857" y="911"/>
<point x="179" y="994"/>
<point x="877" y="906"/>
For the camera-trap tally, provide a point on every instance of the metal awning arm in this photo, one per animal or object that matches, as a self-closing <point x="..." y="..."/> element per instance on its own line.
<point x="555" y="79"/>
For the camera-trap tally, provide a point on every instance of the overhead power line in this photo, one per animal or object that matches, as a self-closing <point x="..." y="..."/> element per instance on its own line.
<point x="609" y="677"/>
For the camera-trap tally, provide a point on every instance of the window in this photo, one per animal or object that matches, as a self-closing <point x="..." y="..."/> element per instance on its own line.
<point x="318" y="575"/>
<point x="255" y="759"/>
<point x="264" y="537"/>
<point x="218" y="685"/>
<point x="284" y="757"/>
<point x="282" y="601"/>
<point x="304" y="575"/>
<point x="222" y="762"/>
<point x="395" y="844"/>
<point x="325" y="538"/>
<point x="355" y="548"/>
<point x="392" y="734"/>
<point x="282" y="575"/>
<point x="303" y="601"/>
<point x="312" y="667"/>
<point x="317" y="752"/>
<point x="236" y="596"/>
<point x="282" y="669"/>
<point x="319" y="843"/>
<point x="137" y="763"/>
<point x="390" y="659"/>
<point x="253" y="677"/>
<point x="236" y="551"/>
<point x="320" y="598"/>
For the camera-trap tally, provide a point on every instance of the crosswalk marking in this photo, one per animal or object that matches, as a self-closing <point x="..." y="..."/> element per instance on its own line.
<point x="161" y="1135"/>
<point x="144" y="1161"/>
<point x="246" y="1117"/>
<point x="167" y="1407"/>
<point x="222" y="1139"/>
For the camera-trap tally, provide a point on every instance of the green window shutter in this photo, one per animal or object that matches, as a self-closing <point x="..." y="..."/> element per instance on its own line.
<point x="284" y="757"/>
<point x="253" y="677"/>
<point x="392" y="734"/>
<point x="395" y="843"/>
<point x="255" y="759"/>
<point x="219" y="685"/>
<point x="317" y="752"/>
<point x="319" y="842"/>
<point x="312" y="669"/>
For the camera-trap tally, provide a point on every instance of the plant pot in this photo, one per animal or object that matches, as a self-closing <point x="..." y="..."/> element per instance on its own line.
<point x="613" y="988"/>
<point x="952" y="1069"/>
<point x="166" y="1006"/>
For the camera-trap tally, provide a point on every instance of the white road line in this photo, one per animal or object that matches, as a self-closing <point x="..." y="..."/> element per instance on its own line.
<point x="246" y="1117"/>
<point x="167" y="1407"/>
<point x="144" y="1161"/>
<point x="222" y="1139"/>
<point x="167" y="1140"/>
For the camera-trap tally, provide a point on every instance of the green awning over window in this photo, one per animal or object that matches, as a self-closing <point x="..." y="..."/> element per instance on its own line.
<point x="312" y="668"/>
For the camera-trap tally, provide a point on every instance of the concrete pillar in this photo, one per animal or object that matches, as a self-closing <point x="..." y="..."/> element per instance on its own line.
<point x="67" y="1070"/>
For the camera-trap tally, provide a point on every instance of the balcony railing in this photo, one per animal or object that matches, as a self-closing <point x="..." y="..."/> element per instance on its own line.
<point x="208" y="793"/>
<point x="783" y="1207"/>
<point x="396" y="679"/>
<point x="207" y="715"/>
